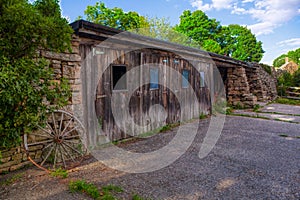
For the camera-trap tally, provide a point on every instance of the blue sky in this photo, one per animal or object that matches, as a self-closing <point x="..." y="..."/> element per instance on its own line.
<point x="275" y="22"/>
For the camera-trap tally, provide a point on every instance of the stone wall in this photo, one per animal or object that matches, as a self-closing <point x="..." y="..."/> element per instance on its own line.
<point x="239" y="93"/>
<point x="65" y="65"/>
<point x="262" y="84"/>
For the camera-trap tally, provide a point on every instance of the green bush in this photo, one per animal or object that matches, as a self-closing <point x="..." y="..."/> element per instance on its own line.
<point x="84" y="187"/>
<point x="25" y="79"/>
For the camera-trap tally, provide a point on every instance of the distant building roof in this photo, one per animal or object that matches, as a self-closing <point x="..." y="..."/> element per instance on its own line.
<point x="289" y="66"/>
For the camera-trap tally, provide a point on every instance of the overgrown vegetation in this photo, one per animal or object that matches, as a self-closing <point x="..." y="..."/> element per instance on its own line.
<point x="62" y="173"/>
<point x="25" y="79"/>
<point x="12" y="180"/>
<point x="267" y="68"/>
<point x="287" y="101"/>
<point x="91" y="190"/>
<point x="256" y="108"/>
<point x="84" y="187"/>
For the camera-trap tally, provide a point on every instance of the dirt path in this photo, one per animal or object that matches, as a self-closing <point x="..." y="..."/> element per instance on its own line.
<point x="250" y="161"/>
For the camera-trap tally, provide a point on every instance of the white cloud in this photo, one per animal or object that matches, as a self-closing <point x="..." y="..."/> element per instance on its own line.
<point x="247" y="1"/>
<point x="215" y="4"/>
<point x="268" y="14"/>
<point x="237" y="10"/>
<point x="200" y="6"/>
<point x="262" y="28"/>
<point x="293" y="42"/>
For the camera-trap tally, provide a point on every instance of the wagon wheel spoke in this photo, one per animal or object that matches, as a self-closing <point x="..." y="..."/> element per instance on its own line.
<point x="54" y="123"/>
<point x="70" y="155"/>
<point x="73" y="148"/>
<point x="47" y="156"/>
<point x="55" y="156"/>
<point x="46" y="131"/>
<point x="61" y="121"/>
<point x="41" y="135"/>
<point x="52" y="131"/>
<point x="66" y="127"/>
<point x="62" y="156"/>
<point x="58" y="142"/>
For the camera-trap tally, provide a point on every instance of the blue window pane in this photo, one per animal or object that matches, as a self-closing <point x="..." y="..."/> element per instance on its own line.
<point x="185" y="78"/>
<point x="202" y="80"/>
<point x="154" y="78"/>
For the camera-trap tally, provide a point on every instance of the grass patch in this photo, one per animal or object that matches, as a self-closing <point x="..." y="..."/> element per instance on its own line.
<point x="12" y="180"/>
<point x="165" y="128"/>
<point x="137" y="197"/>
<point x="229" y="110"/>
<point x="62" y="173"/>
<point x="91" y="190"/>
<point x="84" y="187"/>
<point x="202" y="116"/>
<point x="110" y="188"/>
<point x="287" y="101"/>
<point x="256" y="108"/>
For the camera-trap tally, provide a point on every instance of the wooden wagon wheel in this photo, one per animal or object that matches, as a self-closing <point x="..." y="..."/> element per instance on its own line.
<point x="57" y="143"/>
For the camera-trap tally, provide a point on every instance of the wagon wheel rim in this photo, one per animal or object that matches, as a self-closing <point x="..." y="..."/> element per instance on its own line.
<point x="57" y="143"/>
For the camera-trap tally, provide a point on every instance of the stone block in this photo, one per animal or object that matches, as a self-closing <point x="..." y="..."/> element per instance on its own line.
<point x="18" y="157"/>
<point x="5" y="159"/>
<point x="4" y="169"/>
<point x="18" y="166"/>
<point x="9" y="164"/>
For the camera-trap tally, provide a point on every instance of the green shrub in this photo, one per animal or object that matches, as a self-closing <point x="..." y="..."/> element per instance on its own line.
<point x="26" y="80"/>
<point x="60" y="173"/>
<point x="84" y="187"/>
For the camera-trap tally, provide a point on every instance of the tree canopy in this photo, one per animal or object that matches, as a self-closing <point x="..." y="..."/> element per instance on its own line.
<point x="238" y="42"/>
<point x="198" y="26"/>
<point x="195" y="29"/>
<point x="25" y="79"/>
<point x="115" y="17"/>
<point x="232" y="40"/>
<point x="291" y="55"/>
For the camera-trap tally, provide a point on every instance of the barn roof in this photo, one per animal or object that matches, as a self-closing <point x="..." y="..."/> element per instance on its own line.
<point x="96" y="32"/>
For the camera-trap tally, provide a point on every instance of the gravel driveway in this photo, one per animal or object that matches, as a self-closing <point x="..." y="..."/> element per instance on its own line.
<point x="250" y="161"/>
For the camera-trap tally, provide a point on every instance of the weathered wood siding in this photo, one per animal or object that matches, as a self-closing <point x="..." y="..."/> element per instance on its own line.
<point x="98" y="91"/>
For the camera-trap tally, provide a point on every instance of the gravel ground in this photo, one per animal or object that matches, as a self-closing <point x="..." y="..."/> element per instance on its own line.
<point x="250" y="161"/>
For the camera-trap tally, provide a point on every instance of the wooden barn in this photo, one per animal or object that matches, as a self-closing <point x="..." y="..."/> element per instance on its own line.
<point x="133" y="84"/>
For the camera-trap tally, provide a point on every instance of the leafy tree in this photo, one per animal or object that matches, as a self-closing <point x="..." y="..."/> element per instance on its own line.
<point x="279" y="61"/>
<point x="239" y="43"/>
<point x="198" y="26"/>
<point x="297" y="78"/>
<point x="291" y="55"/>
<point x="26" y="87"/>
<point x="294" y="56"/>
<point x="233" y="40"/>
<point x="212" y="46"/>
<point x="159" y="28"/>
<point x="115" y="17"/>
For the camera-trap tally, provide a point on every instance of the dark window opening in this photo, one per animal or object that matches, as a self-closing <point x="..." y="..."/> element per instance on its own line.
<point x="119" y="78"/>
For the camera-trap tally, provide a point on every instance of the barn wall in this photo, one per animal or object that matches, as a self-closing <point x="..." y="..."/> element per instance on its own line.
<point x="98" y="92"/>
